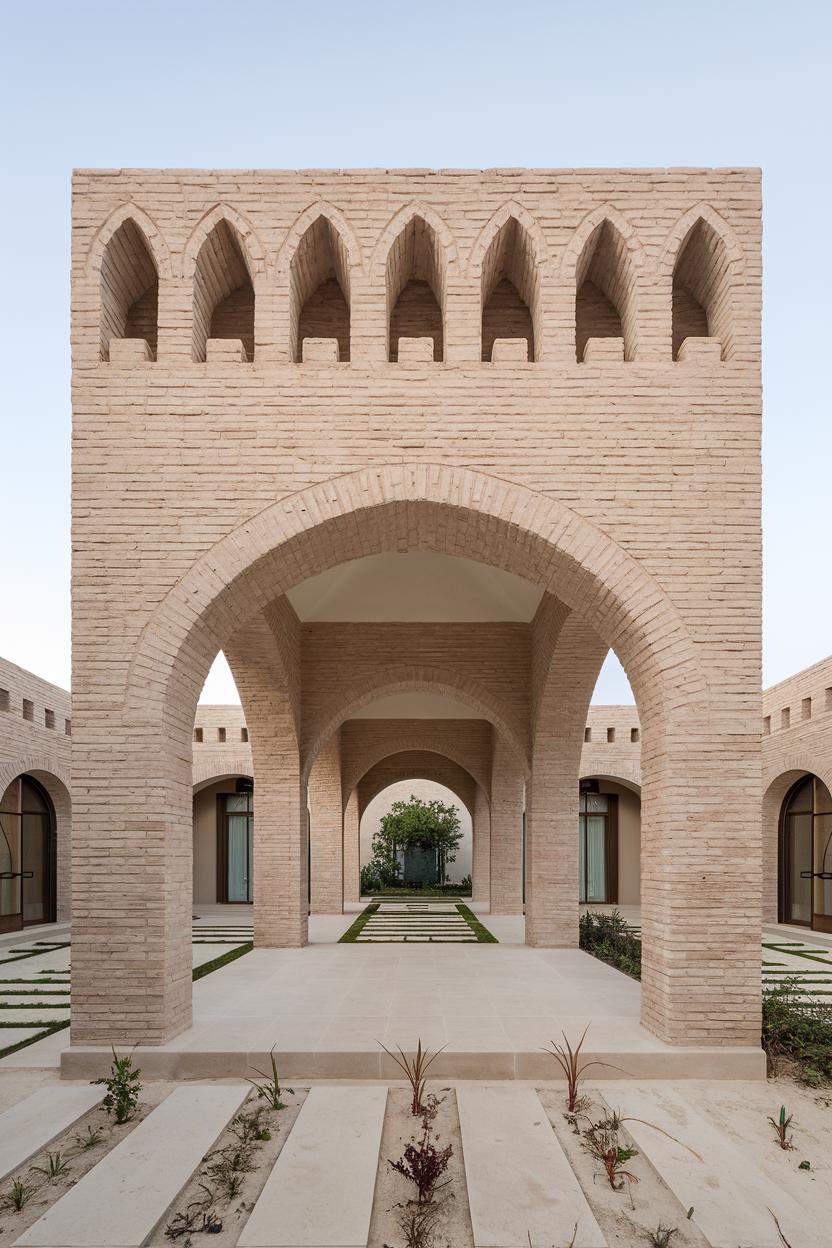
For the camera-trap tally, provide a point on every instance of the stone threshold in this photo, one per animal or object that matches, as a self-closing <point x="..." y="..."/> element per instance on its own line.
<point x="688" y="1062"/>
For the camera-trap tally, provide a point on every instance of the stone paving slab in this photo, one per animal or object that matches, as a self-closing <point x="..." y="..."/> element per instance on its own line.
<point x="35" y="1122"/>
<point x="320" y="1192"/>
<point x="521" y="1187"/>
<point x="733" y="1199"/>
<point x="120" y="1201"/>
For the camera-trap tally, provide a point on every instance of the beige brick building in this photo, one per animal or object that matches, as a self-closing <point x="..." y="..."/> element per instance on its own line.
<point x="539" y="385"/>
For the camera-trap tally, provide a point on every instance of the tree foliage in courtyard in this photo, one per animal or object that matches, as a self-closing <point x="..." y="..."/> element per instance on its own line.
<point x="414" y="824"/>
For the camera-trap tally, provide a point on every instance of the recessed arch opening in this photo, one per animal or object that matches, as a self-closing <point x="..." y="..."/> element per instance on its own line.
<point x="320" y="289"/>
<point x="415" y="285"/>
<point x="129" y="289"/>
<point x="223" y="292"/>
<point x="605" y="291"/>
<point x="701" y="289"/>
<point x="509" y="288"/>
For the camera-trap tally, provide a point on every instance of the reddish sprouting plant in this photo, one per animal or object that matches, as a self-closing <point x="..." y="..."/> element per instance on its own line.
<point x="424" y="1164"/>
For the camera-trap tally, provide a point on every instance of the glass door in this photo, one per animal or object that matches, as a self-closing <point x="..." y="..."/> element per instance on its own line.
<point x="592" y="847"/>
<point x="239" y="847"/>
<point x="11" y="907"/>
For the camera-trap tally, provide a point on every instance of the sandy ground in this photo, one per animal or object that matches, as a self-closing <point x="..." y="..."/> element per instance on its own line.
<point x="740" y="1112"/>
<point x="393" y="1190"/>
<point x="234" y="1213"/>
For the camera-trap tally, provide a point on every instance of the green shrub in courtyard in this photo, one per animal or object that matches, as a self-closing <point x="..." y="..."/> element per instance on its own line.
<point x="798" y="1031"/>
<point x="610" y="938"/>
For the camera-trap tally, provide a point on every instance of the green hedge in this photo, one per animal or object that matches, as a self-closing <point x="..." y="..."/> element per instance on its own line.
<point x="610" y="938"/>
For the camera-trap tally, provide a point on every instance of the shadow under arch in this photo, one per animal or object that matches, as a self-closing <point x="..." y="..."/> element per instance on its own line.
<point x="392" y="682"/>
<point x="419" y="738"/>
<point x="405" y="765"/>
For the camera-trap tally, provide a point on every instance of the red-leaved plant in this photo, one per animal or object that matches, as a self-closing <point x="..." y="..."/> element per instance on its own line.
<point x="424" y="1164"/>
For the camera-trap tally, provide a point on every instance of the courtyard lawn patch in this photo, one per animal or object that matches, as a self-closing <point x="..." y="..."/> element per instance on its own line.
<point x="355" y="929"/>
<point x="479" y="929"/>
<point x="401" y="893"/>
<point x="38" y="995"/>
<point x="199" y="972"/>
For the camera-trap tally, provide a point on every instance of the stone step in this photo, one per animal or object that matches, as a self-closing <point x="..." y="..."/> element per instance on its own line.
<point x="732" y="1198"/>
<point x="521" y="1187"/>
<point x="35" y="1122"/>
<point x="120" y="1201"/>
<point x="320" y="1192"/>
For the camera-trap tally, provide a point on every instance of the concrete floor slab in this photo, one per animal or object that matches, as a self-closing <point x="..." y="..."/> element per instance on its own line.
<point x="733" y="1199"/>
<point x="35" y="1122"/>
<point x="120" y="1201"/>
<point x="521" y="1188"/>
<point x="320" y="1192"/>
<point x="517" y="996"/>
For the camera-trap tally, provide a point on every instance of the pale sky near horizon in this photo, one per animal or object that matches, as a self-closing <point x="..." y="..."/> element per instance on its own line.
<point x="473" y="84"/>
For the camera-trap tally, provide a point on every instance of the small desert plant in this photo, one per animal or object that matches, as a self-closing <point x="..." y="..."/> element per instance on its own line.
<point x="92" y="1139"/>
<point x="123" y="1087"/>
<point x="21" y="1193"/>
<point x="424" y="1164"/>
<point x="198" y="1218"/>
<point x="415" y="1072"/>
<point x="249" y="1127"/>
<point x="661" y="1237"/>
<point x="227" y="1168"/>
<point x="574" y="1069"/>
<point x="781" y="1128"/>
<point x="56" y="1165"/>
<point x="417" y="1224"/>
<point x="601" y="1141"/>
<point x="270" y="1090"/>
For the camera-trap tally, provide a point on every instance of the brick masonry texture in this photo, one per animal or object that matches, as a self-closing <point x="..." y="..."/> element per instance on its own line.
<point x="622" y="483"/>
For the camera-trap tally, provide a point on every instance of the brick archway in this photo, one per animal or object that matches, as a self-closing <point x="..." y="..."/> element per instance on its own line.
<point x="452" y="511"/>
<point x="426" y="507"/>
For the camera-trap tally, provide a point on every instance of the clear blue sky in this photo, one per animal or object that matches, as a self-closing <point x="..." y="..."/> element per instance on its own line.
<point x="471" y="83"/>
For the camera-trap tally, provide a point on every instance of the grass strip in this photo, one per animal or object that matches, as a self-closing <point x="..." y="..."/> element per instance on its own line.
<point x="479" y="929"/>
<point x="214" y="965"/>
<point x="47" y="1029"/>
<point x="355" y="929"/>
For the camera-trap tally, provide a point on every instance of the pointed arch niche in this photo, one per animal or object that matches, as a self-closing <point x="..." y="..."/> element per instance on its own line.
<point x="605" y="298"/>
<point x="320" y="289"/>
<point x="223" y="292"/>
<point x="129" y="289"/>
<point x="415" y="277"/>
<point x="701" y="289"/>
<point x="509" y="288"/>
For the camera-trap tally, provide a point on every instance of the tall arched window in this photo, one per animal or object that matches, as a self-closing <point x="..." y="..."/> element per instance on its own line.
<point x="701" y="298"/>
<point x="129" y="289"/>
<point x="806" y="855"/>
<point x="605" y="294"/>
<point x="320" y="289"/>
<point x="27" y="855"/>
<point x="415" y="288"/>
<point x="223" y="292"/>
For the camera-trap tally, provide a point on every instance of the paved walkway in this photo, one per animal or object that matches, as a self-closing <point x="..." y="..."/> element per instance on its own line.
<point x="420" y="922"/>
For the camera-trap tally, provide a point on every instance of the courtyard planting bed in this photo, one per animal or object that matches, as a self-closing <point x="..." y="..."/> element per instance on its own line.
<point x="699" y="1167"/>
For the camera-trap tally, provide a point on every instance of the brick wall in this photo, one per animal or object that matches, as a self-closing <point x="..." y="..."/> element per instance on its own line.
<point x="35" y="737"/>
<point x="623" y="484"/>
